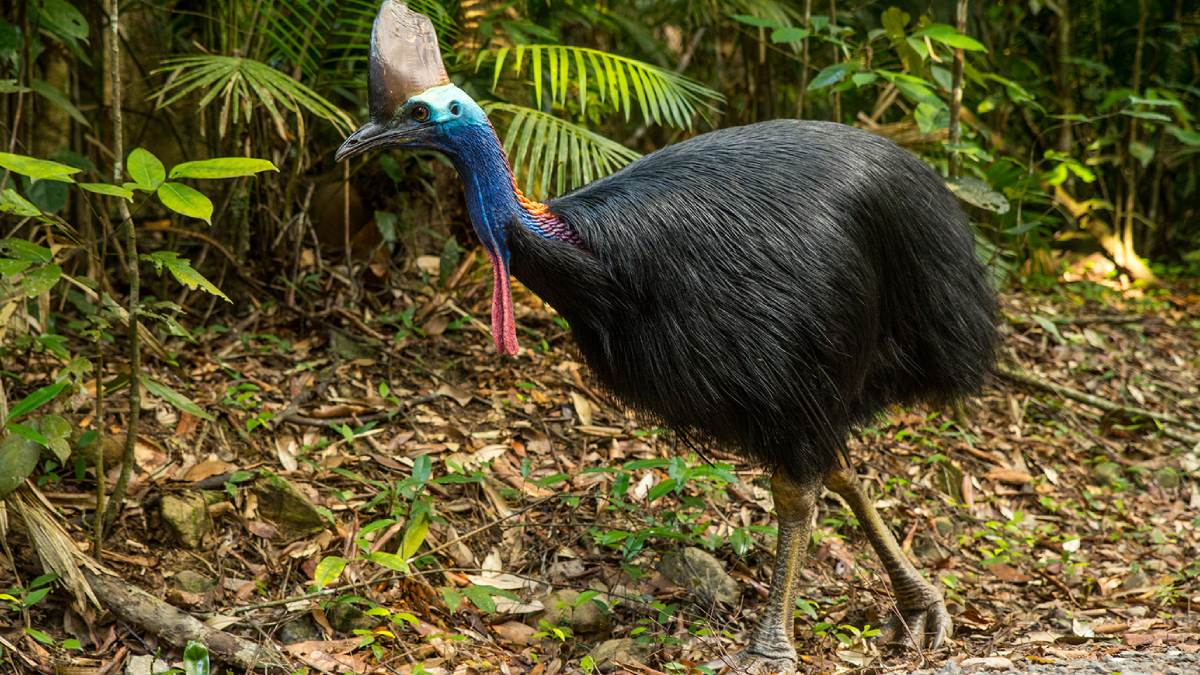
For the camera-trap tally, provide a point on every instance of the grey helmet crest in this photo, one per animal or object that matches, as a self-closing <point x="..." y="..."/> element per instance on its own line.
<point x="405" y="58"/>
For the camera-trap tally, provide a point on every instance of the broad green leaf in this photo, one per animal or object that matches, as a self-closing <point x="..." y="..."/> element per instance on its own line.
<point x="10" y="267"/>
<point x="40" y="280"/>
<point x="978" y="193"/>
<point x="414" y="535"/>
<point x="1138" y="100"/>
<point x="11" y="202"/>
<point x="1146" y="115"/>
<point x="18" y="459"/>
<point x="1142" y="152"/>
<point x="108" y="189"/>
<point x="757" y="22"/>
<point x="789" y="34"/>
<point x="35" y="400"/>
<point x="185" y="201"/>
<point x="949" y="36"/>
<point x="63" y="19"/>
<point x="661" y="489"/>
<point x="37" y="169"/>
<point x="829" y="75"/>
<point x="10" y="86"/>
<point x="184" y="273"/>
<point x="57" y="431"/>
<point x="328" y="570"/>
<point x="1185" y="136"/>
<point x="195" y="659"/>
<point x="26" y="250"/>
<point x="1048" y="326"/>
<point x="222" y="167"/>
<point x="28" y="433"/>
<point x="175" y="398"/>
<point x="481" y="597"/>
<point x="41" y="636"/>
<point x="52" y="94"/>
<point x="146" y="169"/>
<point x="389" y="560"/>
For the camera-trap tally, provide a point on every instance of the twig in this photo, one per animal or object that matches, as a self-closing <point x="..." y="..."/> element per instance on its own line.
<point x="956" y="93"/>
<point x="135" y="280"/>
<point x="1027" y="379"/>
<point x="177" y="627"/>
<point x="1113" y="319"/>
<point x="101" y="479"/>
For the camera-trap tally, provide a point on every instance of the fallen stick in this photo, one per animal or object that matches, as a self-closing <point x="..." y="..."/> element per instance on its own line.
<point x="1029" y="380"/>
<point x="138" y="607"/>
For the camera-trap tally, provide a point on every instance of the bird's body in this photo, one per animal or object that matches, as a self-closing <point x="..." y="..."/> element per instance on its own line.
<point x="768" y="287"/>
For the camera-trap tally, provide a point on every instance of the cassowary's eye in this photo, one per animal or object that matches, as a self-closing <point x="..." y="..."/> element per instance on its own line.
<point x="455" y="109"/>
<point x="420" y="112"/>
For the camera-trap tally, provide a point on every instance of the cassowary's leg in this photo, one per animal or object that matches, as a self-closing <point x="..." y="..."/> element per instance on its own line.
<point x="923" y="617"/>
<point x="771" y="649"/>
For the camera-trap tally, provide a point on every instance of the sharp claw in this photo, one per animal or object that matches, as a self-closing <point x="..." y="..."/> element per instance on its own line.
<point x="927" y="627"/>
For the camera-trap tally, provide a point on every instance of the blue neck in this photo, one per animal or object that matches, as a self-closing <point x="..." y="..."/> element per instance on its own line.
<point x="492" y="197"/>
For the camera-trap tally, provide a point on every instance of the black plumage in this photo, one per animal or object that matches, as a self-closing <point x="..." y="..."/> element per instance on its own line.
<point x="770" y="286"/>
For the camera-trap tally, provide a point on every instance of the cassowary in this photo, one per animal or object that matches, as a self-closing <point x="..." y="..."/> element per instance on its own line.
<point x="766" y="287"/>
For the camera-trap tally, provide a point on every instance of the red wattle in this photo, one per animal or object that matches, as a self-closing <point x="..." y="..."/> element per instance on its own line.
<point x="504" y="323"/>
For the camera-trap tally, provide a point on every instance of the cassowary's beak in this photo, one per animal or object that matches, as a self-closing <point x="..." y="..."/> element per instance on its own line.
<point x="368" y="137"/>
<point x="375" y="136"/>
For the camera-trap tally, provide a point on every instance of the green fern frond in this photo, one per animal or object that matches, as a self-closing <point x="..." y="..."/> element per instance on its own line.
<point x="297" y="30"/>
<point x="550" y="154"/>
<point x="242" y="85"/>
<point x="664" y="97"/>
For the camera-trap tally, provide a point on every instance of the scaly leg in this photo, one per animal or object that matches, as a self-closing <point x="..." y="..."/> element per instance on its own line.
<point x="923" y="618"/>
<point x="771" y="649"/>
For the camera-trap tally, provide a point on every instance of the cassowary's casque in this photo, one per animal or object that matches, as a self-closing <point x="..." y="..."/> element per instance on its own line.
<point x="766" y="287"/>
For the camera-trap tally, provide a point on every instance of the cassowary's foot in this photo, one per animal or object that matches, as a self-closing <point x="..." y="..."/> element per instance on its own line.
<point x="922" y="620"/>
<point x="924" y="627"/>
<point x="770" y="649"/>
<point x="749" y="663"/>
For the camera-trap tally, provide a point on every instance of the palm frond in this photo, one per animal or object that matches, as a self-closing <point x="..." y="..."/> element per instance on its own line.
<point x="550" y="154"/>
<point x="242" y="85"/>
<point x="663" y="96"/>
<point x="298" y="30"/>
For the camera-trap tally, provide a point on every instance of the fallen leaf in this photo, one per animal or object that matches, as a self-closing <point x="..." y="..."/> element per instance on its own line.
<point x="1009" y="476"/>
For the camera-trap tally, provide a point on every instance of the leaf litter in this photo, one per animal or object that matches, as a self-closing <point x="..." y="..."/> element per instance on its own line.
<point x="453" y="491"/>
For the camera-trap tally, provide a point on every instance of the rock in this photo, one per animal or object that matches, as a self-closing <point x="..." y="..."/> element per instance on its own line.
<point x="987" y="663"/>
<point x="301" y="629"/>
<point x="193" y="582"/>
<point x="287" y="507"/>
<point x="347" y="348"/>
<point x="346" y="618"/>
<point x="1106" y="473"/>
<point x="612" y="654"/>
<point x="186" y="516"/>
<point x="514" y="633"/>
<point x="698" y="570"/>
<point x="1167" y="478"/>
<point x="584" y="618"/>
<point x="145" y="664"/>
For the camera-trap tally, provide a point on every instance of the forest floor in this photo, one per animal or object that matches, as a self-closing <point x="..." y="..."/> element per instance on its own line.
<point x="445" y="510"/>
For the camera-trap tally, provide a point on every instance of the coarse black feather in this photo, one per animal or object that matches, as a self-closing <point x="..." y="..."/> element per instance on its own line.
<point x="770" y="286"/>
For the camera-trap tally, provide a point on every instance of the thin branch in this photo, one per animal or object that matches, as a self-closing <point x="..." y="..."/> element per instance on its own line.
<point x="1030" y="380"/>
<point x="131" y="262"/>
<point x="956" y="94"/>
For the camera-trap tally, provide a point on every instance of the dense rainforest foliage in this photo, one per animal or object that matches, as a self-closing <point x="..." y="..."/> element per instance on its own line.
<point x="168" y="166"/>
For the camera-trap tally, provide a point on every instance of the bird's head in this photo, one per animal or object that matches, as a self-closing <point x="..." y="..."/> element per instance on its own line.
<point x="412" y="102"/>
<point x="414" y="105"/>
